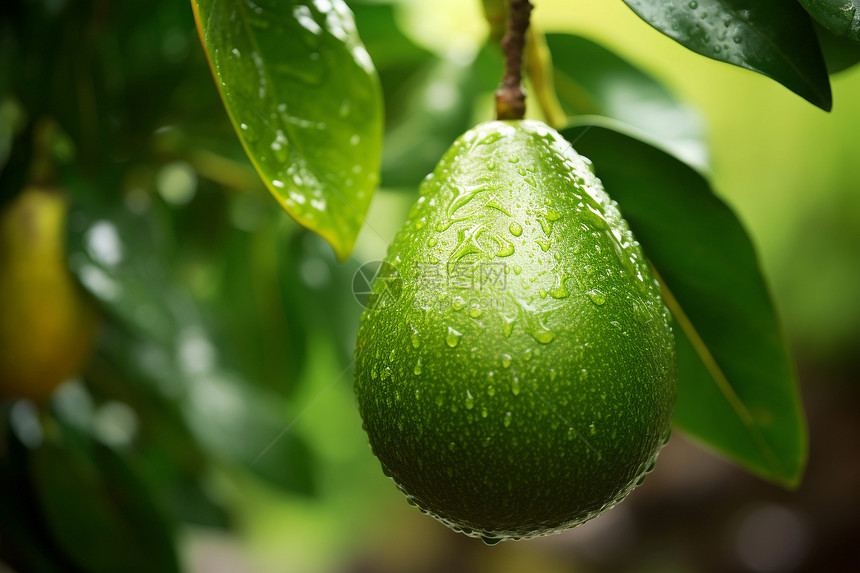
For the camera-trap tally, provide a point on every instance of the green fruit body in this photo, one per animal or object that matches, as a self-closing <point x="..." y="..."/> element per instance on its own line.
<point x="523" y="380"/>
<point x="47" y="322"/>
<point x="841" y="17"/>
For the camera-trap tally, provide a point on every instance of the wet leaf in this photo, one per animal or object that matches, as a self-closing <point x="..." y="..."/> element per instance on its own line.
<point x="772" y="37"/>
<point x="841" y="17"/>
<point x="839" y="53"/>
<point x="305" y="100"/>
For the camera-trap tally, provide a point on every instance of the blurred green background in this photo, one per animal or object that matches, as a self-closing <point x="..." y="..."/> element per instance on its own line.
<point x="218" y="406"/>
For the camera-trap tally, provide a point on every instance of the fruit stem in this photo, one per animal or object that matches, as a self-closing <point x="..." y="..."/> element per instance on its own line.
<point x="511" y="97"/>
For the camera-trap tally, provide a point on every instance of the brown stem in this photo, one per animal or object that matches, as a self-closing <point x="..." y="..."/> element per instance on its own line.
<point x="511" y="97"/>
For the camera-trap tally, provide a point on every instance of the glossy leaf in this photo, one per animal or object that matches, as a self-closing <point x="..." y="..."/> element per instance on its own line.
<point x="99" y="512"/>
<point x="591" y="80"/>
<point x="304" y="98"/>
<point x="737" y="391"/>
<point x="841" y="17"/>
<point x="839" y="53"/>
<point x="772" y="37"/>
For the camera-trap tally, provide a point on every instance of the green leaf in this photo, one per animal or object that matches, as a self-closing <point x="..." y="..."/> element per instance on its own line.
<point x="99" y="511"/>
<point x="305" y="100"/>
<point x="246" y="425"/>
<point x="841" y="17"/>
<point x="591" y="80"/>
<point x="839" y="53"/>
<point x="772" y="37"/>
<point x="26" y="544"/>
<point x="737" y="391"/>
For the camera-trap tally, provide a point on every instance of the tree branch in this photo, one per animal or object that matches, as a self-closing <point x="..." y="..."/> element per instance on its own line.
<point x="511" y="97"/>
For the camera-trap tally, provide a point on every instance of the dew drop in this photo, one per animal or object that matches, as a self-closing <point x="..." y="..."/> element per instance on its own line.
<point x="544" y="336"/>
<point x="693" y="4"/>
<point x="516" y="229"/>
<point x="544" y="245"/>
<point x="596" y="297"/>
<point x="505" y="247"/>
<point x="517" y="270"/>
<point x="559" y="292"/>
<point x="443" y="225"/>
<point x="508" y="326"/>
<point x="453" y="337"/>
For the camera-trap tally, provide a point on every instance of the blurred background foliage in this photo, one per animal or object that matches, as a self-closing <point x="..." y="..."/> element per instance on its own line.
<point x="214" y="428"/>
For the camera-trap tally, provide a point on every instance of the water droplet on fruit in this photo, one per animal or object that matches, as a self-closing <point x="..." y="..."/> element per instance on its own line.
<point x="418" y="368"/>
<point x="507" y="419"/>
<point x="453" y="337"/>
<point x="544" y="336"/>
<point x="470" y="400"/>
<point x="516" y="229"/>
<point x="491" y="540"/>
<point x="515" y="386"/>
<point x="506" y="360"/>
<point x="596" y="297"/>
<point x="505" y="247"/>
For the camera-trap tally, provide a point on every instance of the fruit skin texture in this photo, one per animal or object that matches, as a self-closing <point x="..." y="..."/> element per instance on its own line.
<point x="515" y="409"/>
<point x="47" y="323"/>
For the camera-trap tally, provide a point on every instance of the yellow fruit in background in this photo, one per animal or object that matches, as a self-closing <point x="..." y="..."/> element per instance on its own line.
<point x="47" y="321"/>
